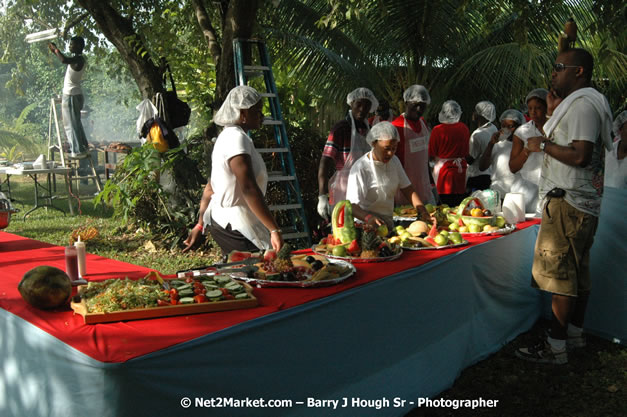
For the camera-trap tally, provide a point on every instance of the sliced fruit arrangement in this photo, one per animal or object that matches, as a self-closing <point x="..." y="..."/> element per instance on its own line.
<point x="422" y="235"/>
<point x="472" y="215"/>
<point x="350" y="240"/>
<point x="303" y="268"/>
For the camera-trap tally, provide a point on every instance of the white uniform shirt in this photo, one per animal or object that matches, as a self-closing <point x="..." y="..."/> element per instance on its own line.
<point x="231" y="142"/>
<point x="502" y="177"/>
<point x="478" y="143"/>
<point x="374" y="191"/>
<point x="615" y="170"/>
<point x="72" y="81"/>
<point x="583" y="186"/>
<point x="532" y="168"/>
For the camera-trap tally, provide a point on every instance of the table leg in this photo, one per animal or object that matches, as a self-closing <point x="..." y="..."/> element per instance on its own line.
<point x="48" y="197"/>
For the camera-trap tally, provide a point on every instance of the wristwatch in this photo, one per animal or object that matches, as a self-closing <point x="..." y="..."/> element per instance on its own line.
<point x="543" y="145"/>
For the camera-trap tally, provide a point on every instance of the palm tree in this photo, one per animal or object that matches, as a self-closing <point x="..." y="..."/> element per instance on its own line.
<point x="463" y="50"/>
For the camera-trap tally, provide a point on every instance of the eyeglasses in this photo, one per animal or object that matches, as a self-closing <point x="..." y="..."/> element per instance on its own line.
<point x="561" y="67"/>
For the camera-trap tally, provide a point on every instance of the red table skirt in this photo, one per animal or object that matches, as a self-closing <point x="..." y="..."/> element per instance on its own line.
<point x="119" y="342"/>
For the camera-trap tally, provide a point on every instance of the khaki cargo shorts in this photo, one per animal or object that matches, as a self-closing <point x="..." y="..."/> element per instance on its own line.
<point x="561" y="262"/>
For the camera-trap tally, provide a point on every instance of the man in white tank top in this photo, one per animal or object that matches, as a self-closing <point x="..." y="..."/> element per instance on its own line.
<point x="73" y="99"/>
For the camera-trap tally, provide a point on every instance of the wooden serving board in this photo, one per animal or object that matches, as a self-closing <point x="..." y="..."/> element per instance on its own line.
<point x="165" y="311"/>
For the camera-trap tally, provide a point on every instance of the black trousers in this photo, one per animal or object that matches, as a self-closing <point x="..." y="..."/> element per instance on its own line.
<point x="230" y="240"/>
<point x="480" y="182"/>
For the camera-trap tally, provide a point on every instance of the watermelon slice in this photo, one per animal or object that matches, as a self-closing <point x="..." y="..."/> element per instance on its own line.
<point x="236" y="256"/>
<point x="434" y="231"/>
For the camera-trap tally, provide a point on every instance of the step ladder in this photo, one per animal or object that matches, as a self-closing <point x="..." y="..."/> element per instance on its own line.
<point x="55" y="144"/>
<point x="290" y="212"/>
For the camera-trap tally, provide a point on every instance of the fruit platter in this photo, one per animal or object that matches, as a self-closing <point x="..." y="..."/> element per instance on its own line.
<point x="126" y="299"/>
<point x="422" y="236"/>
<point x="471" y="218"/>
<point x="405" y="213"/>
<point x="355" y="243"/>
<point x="284" y="269"/>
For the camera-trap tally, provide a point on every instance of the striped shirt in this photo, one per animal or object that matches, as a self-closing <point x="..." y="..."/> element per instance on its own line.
<point x="338" y="144"/>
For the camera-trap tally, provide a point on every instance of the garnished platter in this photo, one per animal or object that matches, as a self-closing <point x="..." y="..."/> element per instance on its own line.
<point x="330" y="273"/>
<point x="321" y="250"/>
<point x="508" y="228"/>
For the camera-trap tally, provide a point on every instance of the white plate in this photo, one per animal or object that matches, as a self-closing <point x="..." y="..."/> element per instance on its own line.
<point x="462" y="243"/>
<point x="404" y="219"/>
<point x="508" y="228"/>
<point x="305" y="283"/>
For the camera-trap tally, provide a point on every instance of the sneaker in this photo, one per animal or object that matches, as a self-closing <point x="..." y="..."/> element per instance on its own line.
<point x="542" y="353"/>
<point x="575" y="342"/>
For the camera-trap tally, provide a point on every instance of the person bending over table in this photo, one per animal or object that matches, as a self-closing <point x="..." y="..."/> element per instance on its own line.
<point x="376" y="177"/>
<point x="232" y="206"/>
<point x="529" y="164"/>
<point x="449" y="147"/>
<point x="496" y="155"/>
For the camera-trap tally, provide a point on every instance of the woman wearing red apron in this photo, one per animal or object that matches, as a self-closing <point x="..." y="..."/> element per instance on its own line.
<point x="449" y="146"/>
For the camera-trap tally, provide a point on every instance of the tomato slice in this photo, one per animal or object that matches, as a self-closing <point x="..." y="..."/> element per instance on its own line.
<point x="200" y="298"/>
<point x="225" y="292"/>
<point x="162" y="303"/>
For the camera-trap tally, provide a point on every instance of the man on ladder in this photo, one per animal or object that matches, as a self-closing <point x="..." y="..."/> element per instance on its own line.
<point x="73" y="98"/>
<point x="72" y="104"/>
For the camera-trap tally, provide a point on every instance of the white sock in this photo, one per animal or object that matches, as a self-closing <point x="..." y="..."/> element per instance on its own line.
<point x="574" y="331"/>
<point x="557" y="345"/>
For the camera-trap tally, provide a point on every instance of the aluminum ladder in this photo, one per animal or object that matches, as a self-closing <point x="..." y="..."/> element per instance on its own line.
<point x="290" y="212"/>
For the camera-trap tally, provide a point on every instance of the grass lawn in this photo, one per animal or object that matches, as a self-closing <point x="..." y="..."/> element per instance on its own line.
<point x="115" y="240"/>
<point x="592" y="384"/>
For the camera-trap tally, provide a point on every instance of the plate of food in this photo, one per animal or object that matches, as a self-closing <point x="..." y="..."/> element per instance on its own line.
<point x="421" y="244"/>
<point x="302" y="271"/>
<point x="491" y="230"/>
<point x="420" y="236"/>
<point x="405" y="213"/>
<point x="125" y="299"/>
<point x="354" y="257"/>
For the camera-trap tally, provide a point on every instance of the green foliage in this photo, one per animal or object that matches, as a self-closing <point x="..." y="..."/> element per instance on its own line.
<point x="138" y="196"/>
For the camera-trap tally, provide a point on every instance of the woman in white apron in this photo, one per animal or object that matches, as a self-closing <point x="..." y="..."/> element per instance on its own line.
<point x="498" y="151"/>
<point x="415" y="153"/>
<point x="236" y="214"/>
<point x="449" y="147"/>
<point x="377" y="176"/>
<point x="362" y="102"/>
<point x="529" y="164"/>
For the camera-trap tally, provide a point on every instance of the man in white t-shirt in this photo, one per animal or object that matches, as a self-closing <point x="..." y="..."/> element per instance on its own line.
<point x="73" y="99"/>
<point x="571" y="185"/>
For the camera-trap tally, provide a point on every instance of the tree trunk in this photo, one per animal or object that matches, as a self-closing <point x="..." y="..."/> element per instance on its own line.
<point x="239" y="22"/>
<point x="119" y="31"/>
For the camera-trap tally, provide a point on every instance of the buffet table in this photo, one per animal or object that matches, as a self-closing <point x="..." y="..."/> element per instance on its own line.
<point x="44" y="192"/>
<point x="402" y="329"/>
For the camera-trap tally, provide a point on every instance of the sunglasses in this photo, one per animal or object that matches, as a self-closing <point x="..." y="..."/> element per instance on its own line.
<point x="561" y="67"/>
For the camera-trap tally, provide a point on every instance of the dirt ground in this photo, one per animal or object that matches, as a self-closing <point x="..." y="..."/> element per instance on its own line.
<point x="592" y="384"/>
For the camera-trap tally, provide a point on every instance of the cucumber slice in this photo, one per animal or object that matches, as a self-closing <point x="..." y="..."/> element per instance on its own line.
<point x="241" y="296"/>
<point x="186" y="293"/>
<point x="183" y="287"/>
<point x="214" y="294"/>
<point x="186" y="300"/>
<point x="176" y="282"/>
<point x="222" y="279"/>
<point x="211" y="285"/>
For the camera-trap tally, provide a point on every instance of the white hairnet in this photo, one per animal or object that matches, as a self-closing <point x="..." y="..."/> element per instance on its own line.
<point x="362" y="92"/>
<point x="417" y="93"/>
<point x="451" y="112"/>
<point x="486" y="109"/>
<point x="540" y="93"/>
<point x="241" y="97"/>
<point x="382" y="131"/>
<point x="513" y="114"/>
<point x="619" y="122"/>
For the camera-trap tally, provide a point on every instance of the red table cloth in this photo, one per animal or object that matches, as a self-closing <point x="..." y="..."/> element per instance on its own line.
<point x="119" y="342"/>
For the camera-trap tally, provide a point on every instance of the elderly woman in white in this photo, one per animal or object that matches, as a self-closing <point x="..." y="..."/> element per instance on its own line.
<point x="232" y="205"/>
<point x="375" y="178"/>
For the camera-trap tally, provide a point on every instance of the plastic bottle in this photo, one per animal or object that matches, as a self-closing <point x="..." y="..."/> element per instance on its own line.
<point x="81" y="256"/>
<point x="71" y="263"/>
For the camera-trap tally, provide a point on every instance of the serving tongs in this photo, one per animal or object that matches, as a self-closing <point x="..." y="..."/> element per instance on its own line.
<point x="248" y="267"/>
<point x="161" y="281"/>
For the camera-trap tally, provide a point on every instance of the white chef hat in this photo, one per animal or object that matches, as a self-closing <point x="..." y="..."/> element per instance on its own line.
<point x="451" y="112"/>
<point x="382" y="131"/>
<point x="513" y="114"/>
<point x="363" y="92"/>
<point x="486" y="109"/>
<point x="417" y="93"/>
<point x="239" y="98"/>
<point x="619" y="122"/>
<point x="540" y="93"/>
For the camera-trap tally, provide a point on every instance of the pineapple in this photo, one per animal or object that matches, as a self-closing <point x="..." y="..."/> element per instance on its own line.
<point x="283" y="261"/>
<point x="370" y="244"/>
